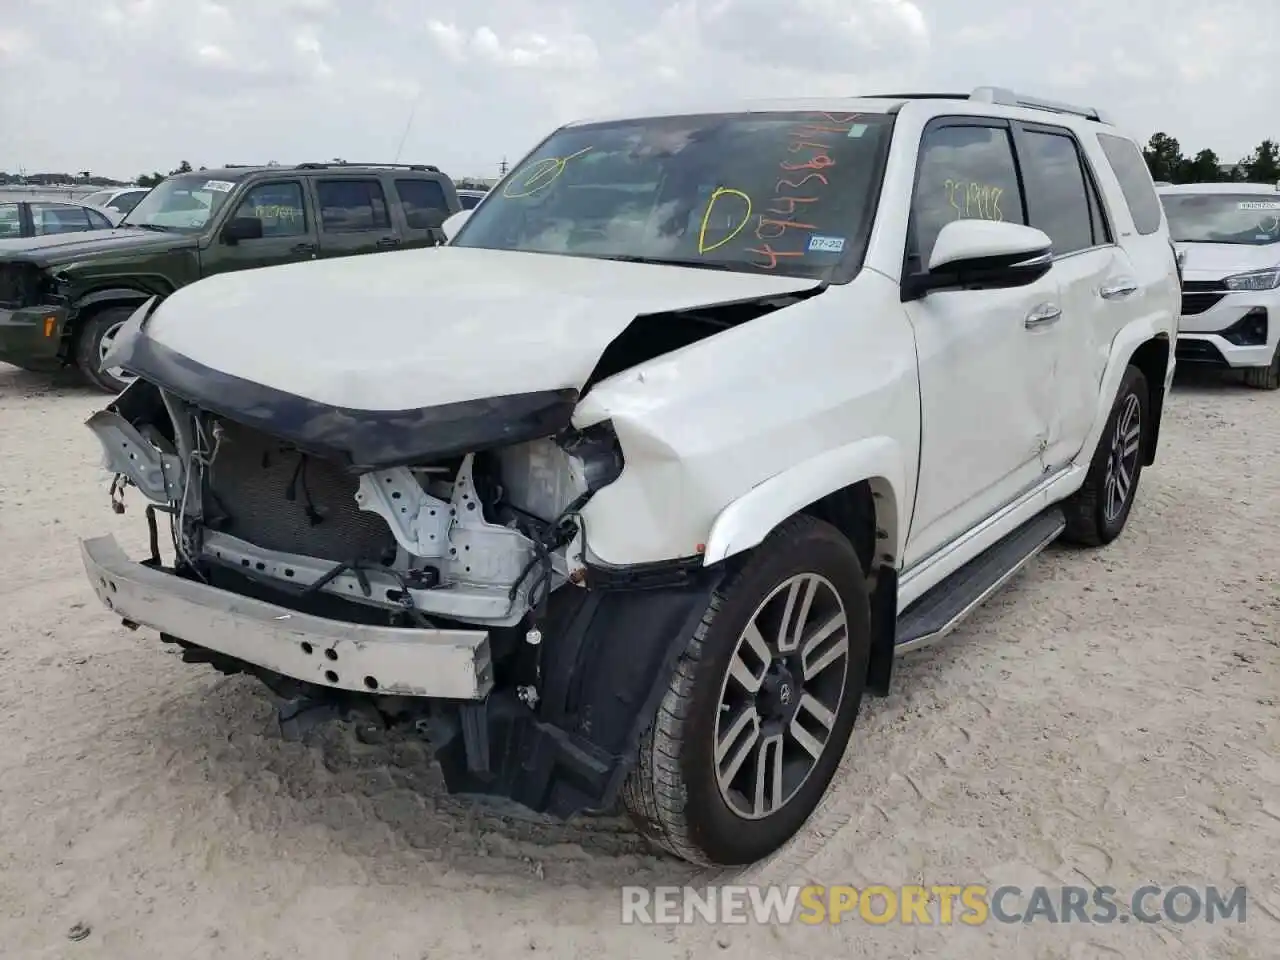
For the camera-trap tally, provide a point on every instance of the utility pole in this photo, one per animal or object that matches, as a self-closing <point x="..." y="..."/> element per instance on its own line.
<point x="502" y="167"/>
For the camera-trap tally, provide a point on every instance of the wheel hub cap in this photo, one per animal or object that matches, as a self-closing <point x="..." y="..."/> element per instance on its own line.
<point x="780" y="696"/>
<point x="1122" y="459"/>
<point x="104" y="347"/>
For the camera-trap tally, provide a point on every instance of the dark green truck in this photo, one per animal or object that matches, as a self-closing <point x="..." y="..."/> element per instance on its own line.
<point x="63" y="297"/>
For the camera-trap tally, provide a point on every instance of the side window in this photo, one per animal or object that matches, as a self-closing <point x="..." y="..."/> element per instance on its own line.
<point x="51" y="218"/>
<point x="97" y="221"/>
<point x="1057" y="191"/>
<point x="127" y="201"/>
<point x="279" y="206"/>
<point x="965" y="172"/>
<point x="1135" y="181"/>
<point x="423" y="203"/>
<point x="350" y="206"/>
<point x="10" y="221"/>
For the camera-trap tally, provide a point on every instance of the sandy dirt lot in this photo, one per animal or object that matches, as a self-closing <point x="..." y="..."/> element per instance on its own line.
<point x="1110" y="718"/>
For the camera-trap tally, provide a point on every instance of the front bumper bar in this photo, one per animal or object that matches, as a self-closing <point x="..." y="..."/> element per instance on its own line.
<point x="445" y="664"/>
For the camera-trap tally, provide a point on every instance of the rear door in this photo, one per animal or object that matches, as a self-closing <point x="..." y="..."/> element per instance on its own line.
<point x="422" y="205"/>
<point x="355" y="216"/>
<point x="288" y="231"/>
<point x="1095" y="278"/>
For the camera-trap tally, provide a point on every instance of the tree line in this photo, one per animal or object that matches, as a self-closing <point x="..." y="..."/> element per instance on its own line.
<point x="1168" y="163"/>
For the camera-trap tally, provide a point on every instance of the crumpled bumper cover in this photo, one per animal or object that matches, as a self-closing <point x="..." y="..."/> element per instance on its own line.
<point x="400" y="661"/>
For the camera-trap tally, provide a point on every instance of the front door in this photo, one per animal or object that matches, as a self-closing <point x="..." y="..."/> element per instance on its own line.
<point x="354" y="217"/>
<point x="288" y="233"/>
<point x="986" y="357"/>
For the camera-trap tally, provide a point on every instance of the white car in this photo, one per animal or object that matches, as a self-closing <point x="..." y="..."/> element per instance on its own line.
<point x="1229" y="237"/>
<point x="637" y="486"/>
<point x="119" y="201"/>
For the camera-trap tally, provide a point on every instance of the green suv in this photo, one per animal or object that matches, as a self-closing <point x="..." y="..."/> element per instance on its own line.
<point x="64" y="297"/>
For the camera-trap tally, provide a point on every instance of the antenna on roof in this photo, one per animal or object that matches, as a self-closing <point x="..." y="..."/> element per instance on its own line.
<point x="408" y="125"/>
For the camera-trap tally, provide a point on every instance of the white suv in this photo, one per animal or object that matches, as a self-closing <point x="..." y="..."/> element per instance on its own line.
<point x="1228" y="235"/>
<point x="637" y="486"/>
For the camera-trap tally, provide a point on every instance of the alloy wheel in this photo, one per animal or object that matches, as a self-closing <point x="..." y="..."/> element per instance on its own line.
<point x="781" y="695"/>
<point x="104" y="346"/>
<point x="1122" y="460"/>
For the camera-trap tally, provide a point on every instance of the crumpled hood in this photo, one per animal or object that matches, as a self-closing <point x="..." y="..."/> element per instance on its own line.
<point x="421" y="328"/>
<point x="1213" y="261"/>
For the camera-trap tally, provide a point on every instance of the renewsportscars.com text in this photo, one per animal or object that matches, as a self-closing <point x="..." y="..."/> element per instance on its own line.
<point x="940" y="904"/>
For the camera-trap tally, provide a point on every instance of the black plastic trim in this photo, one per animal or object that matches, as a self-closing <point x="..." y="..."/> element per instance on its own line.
<point x="360" y="439"/>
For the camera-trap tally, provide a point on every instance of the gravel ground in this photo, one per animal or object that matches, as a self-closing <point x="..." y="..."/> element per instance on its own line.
<point x="1109" y="718"/>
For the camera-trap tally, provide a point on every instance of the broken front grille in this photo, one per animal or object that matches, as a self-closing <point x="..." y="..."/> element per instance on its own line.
<point x="271" y="495"/>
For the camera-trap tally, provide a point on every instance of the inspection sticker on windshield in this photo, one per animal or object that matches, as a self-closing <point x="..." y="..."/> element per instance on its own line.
<point x="1259" y="205"/>
<point x="222" y="186"/>
<point x="857" y="130"/>
<point x="825" y="244"/>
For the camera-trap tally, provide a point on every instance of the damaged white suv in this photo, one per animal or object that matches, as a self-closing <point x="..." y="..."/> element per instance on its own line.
<point x="634" y="489"/>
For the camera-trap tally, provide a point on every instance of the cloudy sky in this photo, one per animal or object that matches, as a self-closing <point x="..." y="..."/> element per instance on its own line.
<point x="125" y="86"/>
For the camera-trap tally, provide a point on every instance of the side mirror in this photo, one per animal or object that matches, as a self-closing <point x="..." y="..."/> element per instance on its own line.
<point x="453" y="223"/>
<point x="983" y="253"/>
<point x="242" y="228"/>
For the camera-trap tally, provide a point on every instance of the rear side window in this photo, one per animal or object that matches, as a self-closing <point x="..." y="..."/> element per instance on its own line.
<point x="423" y="203"/>
<point x="1058" y="191"/>
<point x="51" y="218"/>
<point x="966" y="172"/>
<point x="10" y="221"/>
<point x="1135" y="181"/>
<point x="350" y="206"/>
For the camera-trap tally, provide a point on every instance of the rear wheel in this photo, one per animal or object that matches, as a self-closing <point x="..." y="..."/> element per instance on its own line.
<point x="1097" y="512"/>
<point x="96" y="336"/>
<point x="761" y="705"/>
<point x="1265" y="378"/>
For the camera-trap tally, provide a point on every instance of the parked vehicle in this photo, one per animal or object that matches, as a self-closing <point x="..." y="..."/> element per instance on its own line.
<point x="641" y="482"/>
<point x="470" y="198"/>
<point x="121" y="200"/>
<point x="1229" y="237"/>
<point x="63" y="299"/>
<point x="24" y="219"/>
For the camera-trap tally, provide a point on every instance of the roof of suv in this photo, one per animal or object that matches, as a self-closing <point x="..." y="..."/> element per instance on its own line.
<point x="235" y="171"/>
<point x="982" y="100"/>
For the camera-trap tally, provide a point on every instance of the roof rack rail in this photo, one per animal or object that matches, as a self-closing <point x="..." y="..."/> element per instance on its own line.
<point x="1009" y="98"/>
<point x="424" y="167"/>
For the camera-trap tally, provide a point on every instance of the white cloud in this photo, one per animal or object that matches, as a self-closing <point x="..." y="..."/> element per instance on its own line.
<point x="152" y="82"/>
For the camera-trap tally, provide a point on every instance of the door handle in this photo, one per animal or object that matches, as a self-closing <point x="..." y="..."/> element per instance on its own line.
<point x="1043" y="316"/>
<point x="388" y="242"/>
<point x="303" y="248"/>
<point x="1119" y="290"/>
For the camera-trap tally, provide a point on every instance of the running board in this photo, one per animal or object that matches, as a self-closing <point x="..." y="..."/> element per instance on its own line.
<point x="942" y="609"/>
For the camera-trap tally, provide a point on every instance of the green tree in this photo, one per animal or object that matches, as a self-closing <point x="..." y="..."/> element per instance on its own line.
<point x="183" y="167"/>
<point x="1263" y="166"/>
<point x="1204" y="167"/>
<point x="149" y="179"/>
<point x="1164" y="157"/>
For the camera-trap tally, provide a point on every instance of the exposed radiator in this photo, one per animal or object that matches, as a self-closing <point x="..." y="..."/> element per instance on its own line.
<point x="250" y="483"/>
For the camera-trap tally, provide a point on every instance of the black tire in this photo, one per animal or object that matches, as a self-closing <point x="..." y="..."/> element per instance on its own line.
<point x="673" y="794"/>
<point x="1264" y="378"/>
<point x="1091" y="521"/>
<point x="89" y="347"/>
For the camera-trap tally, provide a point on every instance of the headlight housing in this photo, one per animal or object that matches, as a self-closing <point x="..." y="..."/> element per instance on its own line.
<point x="1267" y="279"/>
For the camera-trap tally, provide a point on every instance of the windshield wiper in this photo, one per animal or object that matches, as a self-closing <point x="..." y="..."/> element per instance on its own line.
<point x="733" y="267"/>
<point x="146" y="226"/>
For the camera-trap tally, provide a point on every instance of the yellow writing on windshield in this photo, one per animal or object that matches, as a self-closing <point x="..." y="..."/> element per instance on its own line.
<point x="745" y="215"/>
<point x="539" y="176"/>
<point x="974" y="200"/>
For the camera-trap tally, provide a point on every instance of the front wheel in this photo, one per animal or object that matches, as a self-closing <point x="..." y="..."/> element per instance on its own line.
<point x="761" y="705"/>
<point x="1097" y="512"/>
<point x="1265" y="378"/>
<point x="96" y="337"/>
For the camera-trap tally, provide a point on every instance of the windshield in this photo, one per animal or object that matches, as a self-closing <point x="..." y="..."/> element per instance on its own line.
<point x="183" y="204"/>
<point x="97" y="199"/>
<point x="1252" y="219"/>
<point x="784" y="193"/>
